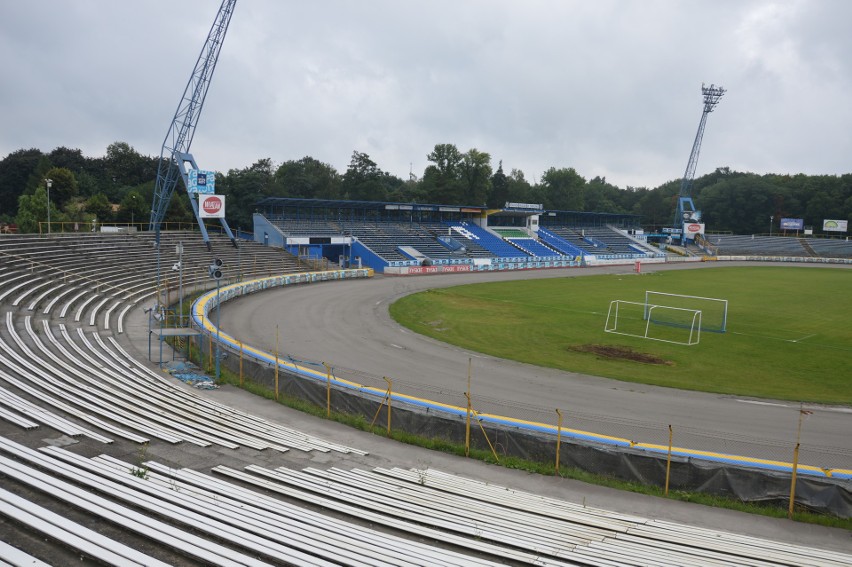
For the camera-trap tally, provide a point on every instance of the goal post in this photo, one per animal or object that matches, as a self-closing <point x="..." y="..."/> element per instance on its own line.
<point x="714" y="311"/>
<point x="675" y="325"/>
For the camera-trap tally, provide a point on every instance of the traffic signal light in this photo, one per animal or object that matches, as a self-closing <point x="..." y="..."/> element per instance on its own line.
<point x="216" y="269"/>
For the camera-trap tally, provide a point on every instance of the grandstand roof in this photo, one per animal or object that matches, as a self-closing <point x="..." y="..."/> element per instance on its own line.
<point x="580" y="218"/>
<point x="271" y="202"/>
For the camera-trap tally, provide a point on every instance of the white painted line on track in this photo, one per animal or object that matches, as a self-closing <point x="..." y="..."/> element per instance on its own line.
<point x="757" y="403"/>
<point x="837" y="410"/>
<point x="811" y="408"/>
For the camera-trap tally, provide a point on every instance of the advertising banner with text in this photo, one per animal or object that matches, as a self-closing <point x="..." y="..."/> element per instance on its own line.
<point x="211" y="206"/>
<point x="792" y="224"/>
<point x="834" y="225"/>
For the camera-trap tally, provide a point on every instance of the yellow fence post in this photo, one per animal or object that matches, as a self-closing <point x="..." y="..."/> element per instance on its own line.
<point x="381" y="405"/>
<point x="210" y="350"/>
<point x="241" y="364"/>
<point x="200" y="344"/>
<point x="467" y="422"/>
<point x="558" y="438"/>
<point x="467" y="427"/>
<point x="327" y="389"/>
<point x="276" y="363"/>
<point x="390" y="397"/>
<point x="802" y="414"/>
<point x="484" y="433"/>
<point x="669" y="462"/>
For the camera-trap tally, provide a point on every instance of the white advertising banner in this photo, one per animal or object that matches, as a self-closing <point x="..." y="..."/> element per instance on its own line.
<point x="690" y="229"/>
<point x="211" y="206"/>
<point x="834" y="225"/>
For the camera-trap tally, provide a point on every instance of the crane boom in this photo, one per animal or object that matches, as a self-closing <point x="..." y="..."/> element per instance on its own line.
<point x="174" y="155"/>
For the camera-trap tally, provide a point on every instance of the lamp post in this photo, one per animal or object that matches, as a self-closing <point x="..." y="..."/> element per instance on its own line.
<point x="218" y="311"/>
<point x="48" y="183"/>
<point x="771" y="218"/>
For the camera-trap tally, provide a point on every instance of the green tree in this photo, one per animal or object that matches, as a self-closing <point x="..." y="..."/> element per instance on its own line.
<point x="476" y="177"/>
<point x="652" y="207"/>
<point x="600" y="196"/>
<point x="307" y="178"/>
<point x="133" y="208"/>
<point x="63" y="185"/>
<point x="98" y="209"/>
<point x="741" y="203"/>
<point x="411" y="191"/>
<point x="180" y="211"/>
<point x="520" y="190"/>
<point x="68" y="158"/>
<point x="442" y="180"/>
<point x="363" y="179"/>
<point x="563" y="189"/>
<point x="32" y="210"/>
<point x="15" y="170"/>
<point x="499" y="188"/>
<point x="124" y="166"/>
<point x="243" y="188"/>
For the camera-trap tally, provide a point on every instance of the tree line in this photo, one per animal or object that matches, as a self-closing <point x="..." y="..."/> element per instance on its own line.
<point x="119" y="186"/>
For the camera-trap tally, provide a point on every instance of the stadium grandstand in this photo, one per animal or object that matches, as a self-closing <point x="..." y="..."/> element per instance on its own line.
<point x="392" y="238"/>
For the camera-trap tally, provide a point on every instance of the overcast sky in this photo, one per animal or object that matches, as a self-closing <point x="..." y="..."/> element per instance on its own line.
<point x="610" y="88"/>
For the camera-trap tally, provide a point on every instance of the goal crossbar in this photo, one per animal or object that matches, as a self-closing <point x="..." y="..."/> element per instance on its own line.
<point x="641" y="327"/>
<point x="714" y="310"/>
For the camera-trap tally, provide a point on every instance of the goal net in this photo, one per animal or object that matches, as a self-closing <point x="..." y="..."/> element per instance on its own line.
<point x="676" y="325"/>
<point x="714" y="312"/>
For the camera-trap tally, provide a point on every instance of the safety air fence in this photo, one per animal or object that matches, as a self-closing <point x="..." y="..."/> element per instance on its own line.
<point x="645" y="452"/>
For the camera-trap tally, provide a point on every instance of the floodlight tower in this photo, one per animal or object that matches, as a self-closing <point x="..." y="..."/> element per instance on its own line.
<point x="175" y="156"/>
<point x="685" y="206"/>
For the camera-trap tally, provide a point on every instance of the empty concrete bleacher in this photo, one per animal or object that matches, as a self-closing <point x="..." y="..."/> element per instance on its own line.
<point x="307" y="227"/>
<point x="829" y="247"/>
<point x="754" y="245"/>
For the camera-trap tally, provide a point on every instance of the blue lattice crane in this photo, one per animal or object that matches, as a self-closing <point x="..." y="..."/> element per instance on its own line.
<point x="686" y="212"/>
<point x="175" y="156"/>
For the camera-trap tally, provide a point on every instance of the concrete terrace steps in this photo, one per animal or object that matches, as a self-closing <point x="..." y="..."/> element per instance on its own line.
<point x="91" y="287"/>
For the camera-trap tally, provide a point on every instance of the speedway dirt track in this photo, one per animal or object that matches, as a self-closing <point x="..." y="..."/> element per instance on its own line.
<point x="347" y="325"/>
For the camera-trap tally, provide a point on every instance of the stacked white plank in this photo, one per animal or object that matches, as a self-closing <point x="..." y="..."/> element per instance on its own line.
<point x="100" y="384"/>
<point x="219" y="515"/>
<point x="523" y="522"/>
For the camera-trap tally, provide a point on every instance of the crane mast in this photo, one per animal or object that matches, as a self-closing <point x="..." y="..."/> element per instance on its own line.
<point x="174" y="155"/>
<point x="685" y="211"/>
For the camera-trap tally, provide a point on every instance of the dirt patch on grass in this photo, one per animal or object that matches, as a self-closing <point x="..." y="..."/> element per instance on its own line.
<point x="613" y="352"/>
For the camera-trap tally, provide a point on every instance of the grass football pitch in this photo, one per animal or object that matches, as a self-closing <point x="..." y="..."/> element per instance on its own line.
<point x="788" y="335"/>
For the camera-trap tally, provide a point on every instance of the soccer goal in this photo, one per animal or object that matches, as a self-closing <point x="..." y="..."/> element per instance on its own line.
<point x="714" y="312"/>
<point x="676" y="325"/>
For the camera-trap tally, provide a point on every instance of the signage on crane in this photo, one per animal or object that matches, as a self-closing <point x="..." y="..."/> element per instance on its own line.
<point x="211" y="206"/>
<point x="201" y="182"/>
<point x="690" y="229"/>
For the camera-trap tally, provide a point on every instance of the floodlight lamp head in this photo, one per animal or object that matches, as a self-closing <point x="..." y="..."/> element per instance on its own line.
<point x="712" y="95"/>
